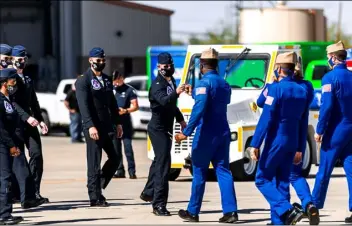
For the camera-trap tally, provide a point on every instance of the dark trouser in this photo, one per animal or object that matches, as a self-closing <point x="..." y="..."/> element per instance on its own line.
<point x="76" y="126"/>
<point x="5" y="182"/>
<point x="34" y="146"/>
<point x="99" y="179"/>
<point x="23" y="185"/>
<point x="127" y="144"/>
<point x="158" y="183"/>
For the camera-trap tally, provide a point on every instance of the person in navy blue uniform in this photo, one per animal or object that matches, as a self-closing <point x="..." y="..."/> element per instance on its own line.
<point x="297" y="180"/>
<point x="211" y="143"/>
<point x="9" y="121"/>
<point x="163" y="96"/>
<point x="334" y="128"/>
<point x="279" y="124"/>
<point x="126" y="97"/>
<point x="101" y="125"/>
<point x="26" y="102"/>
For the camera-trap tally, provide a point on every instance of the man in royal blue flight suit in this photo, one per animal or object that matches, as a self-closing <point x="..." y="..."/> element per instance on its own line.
<point x="101" y="123"/>
<point x="9" y="149"/>
<point x="334" y="128"/>
<point x="163" y="96"/>
<point x="296" y="178"/>
<point x="211" y="142"/>
<point x="27" y="105"/>
<point x="23" y="185"/>
<point x="284" y="107"/>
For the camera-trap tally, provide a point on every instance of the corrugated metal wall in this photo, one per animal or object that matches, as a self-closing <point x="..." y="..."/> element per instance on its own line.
<point x="101" y="21"/>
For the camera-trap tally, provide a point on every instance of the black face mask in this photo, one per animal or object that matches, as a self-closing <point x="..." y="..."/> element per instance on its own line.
<point x="167" y="72"/>
<point x="98" y="67"/>
<point x="20" y="65"/>
<point x="5" y="64"/>
<point x="12" y="89"/>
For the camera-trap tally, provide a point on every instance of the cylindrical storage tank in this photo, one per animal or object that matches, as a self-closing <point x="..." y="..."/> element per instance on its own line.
<point x="280" y="24"/>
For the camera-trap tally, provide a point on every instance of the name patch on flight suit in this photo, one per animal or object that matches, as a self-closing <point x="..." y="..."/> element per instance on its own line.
<point x="8" y="107"/>
<point x="269" y="100"/>
<point x="201" y="90"/>
<point x="169" y="90"/>
<point x="95" y="84"/>
<point x="326" y="88"/>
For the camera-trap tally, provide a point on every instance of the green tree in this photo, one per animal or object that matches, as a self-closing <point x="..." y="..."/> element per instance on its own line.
<point x="332" y="35"/>
<point x="177" y="43"/>
<point x="224" y="34"/>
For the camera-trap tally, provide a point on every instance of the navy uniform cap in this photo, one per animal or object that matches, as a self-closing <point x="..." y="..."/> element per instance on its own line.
<point x="165" y="58"/>
<point x="7" y="73"/>
<point x="19" y="51"/>
<point x="5" y="49"/>
<point x="97" y="52"/>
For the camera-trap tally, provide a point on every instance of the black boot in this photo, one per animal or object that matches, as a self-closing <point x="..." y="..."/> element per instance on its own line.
<point x="145" y="197"/>
<point x="38" y="196"/>
<point x="161" y="211"/>
<point x="185" y="215"/>
<point x="348" y="220"/>
<point x="32" y="203"/>
<point x="231" y="217"/>
<point x="293" y="216"/>
<point x="313" y="214"/>
<point x="299" y="206"/>
<point x="11" y="220"/>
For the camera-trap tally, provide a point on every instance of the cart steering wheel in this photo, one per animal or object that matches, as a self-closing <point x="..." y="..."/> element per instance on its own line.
<point x="251" y="80"/>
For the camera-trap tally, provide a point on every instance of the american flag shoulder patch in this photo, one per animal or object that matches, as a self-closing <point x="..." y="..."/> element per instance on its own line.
<point x="326" y="88"/>
<point x="269" y="100"/>
<point x="201" y="90"/>
<point x="265" y="93"/>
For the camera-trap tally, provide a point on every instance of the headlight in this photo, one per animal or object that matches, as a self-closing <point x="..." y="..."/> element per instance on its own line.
<point x="233" y="136"/>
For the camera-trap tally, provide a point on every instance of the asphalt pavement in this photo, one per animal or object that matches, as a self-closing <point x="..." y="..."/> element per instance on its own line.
<point x="64" y="183"/>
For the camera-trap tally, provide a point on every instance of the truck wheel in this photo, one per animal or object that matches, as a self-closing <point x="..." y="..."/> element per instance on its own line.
<point x="307" y="159"/>
<point x="211" y="174"/>
<point x="46" y="121"/>
<point x="242" y="171"/>
<point x="174" y="173"/>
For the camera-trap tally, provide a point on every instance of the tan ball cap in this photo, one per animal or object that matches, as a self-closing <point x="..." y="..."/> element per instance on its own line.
<point x="335" y="47"/>
<point x="209" y="54"/>
<point x="286" y="58"/>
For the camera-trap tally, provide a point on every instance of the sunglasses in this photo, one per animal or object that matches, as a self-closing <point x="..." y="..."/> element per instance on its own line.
<point x="20" y="60"/>
<point x="100" y="61"/>
<point x="8" y="58"/>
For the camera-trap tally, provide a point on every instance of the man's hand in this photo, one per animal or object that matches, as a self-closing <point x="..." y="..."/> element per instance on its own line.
<point x="119" y="131"/>
<point x="15" y="151"/>
<point x="43" y="127"/>
<point x="122" y="111"/>
<point x="72" y="111"/>
<point x="318" y="137"/>
<point x="183" y="125"/>
<point x="188" y="89"/>
<point x="32" y="121"/>
<point x="93" y="133"/>
<point x="254" y="153"/>
<point x="180" y="137"/>
<point x="180" y="89"/>
<point x="298" y="158"/>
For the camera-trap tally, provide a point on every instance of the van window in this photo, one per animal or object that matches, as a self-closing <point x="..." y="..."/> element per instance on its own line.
<point x="319" y="71"/>
<point x="249" y="72"/>
<point x="67" y="88"/>
<point x="136" y="84"/>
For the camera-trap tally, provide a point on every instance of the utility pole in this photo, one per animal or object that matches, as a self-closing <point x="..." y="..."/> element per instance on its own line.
<point x="338" y="35"/>
<point x="237" y="16"/>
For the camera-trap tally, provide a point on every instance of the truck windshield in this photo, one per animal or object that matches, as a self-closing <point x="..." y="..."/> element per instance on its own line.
<point x="247" y="73"/>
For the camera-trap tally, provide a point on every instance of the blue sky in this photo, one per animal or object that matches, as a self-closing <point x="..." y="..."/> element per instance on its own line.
<point x="200" y="16"/>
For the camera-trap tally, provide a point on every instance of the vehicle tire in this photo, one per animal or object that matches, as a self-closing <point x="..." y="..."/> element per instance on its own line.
<point x="242" y="171"/>
<point x="307" y="159"/>
<point x="174" y="173"/>
<point x="47" y="122"/>
<point x="211" y="174"/>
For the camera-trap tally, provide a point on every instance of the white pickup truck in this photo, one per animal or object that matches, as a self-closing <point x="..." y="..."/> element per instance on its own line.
<point x="56" y="115"/>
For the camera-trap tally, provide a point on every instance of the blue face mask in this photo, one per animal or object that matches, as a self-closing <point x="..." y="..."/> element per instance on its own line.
<point x="331" y="63"/>
<point x="276" y="73"/>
